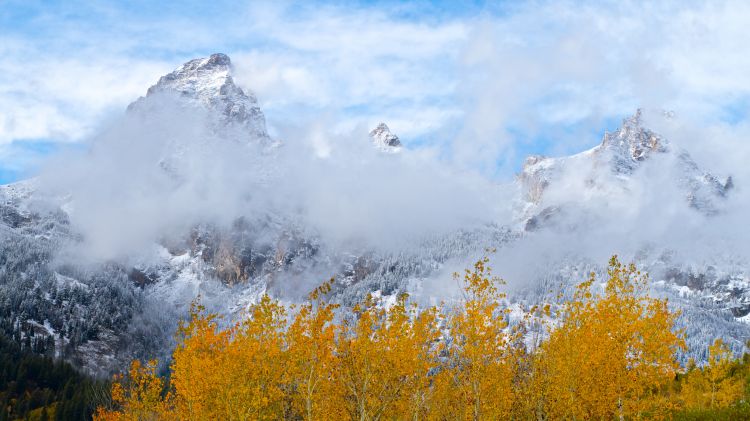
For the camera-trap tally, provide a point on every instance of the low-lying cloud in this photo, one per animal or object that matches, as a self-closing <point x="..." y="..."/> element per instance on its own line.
<point x="163" y="168"/>
<point x="470" y="95"/>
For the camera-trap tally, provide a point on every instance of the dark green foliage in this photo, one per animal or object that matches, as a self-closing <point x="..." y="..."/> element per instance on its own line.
<point x="78" y="308"/>
<point x="54" y="308"/>
<point x="733" y="413"/>
<point x="41" y="388"/>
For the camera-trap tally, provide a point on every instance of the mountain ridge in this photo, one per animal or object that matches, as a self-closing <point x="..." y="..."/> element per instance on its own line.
<point x="619" y="155"/>
<point x="95" y="312"/>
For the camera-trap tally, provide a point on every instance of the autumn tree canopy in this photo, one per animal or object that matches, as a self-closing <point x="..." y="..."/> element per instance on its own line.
<point x="608" y="352"/>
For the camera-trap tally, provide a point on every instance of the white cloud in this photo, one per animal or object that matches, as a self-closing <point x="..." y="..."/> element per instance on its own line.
<point x="533" y="67"/>
<point x="63" y="97"/>
<point x="326" y="58"/>
<point x="558" y="64"/>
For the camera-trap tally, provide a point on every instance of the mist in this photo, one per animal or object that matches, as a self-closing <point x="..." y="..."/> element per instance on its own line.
<point x="645" y="219"/>
<point x="542" y="78"/>
<point x="161" y="169"/>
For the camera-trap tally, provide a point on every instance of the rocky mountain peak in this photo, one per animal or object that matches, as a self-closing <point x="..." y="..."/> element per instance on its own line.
<point x="383" y="138"/>
<point x="532" y="162"/>
<point x="214" y="62"/>
<point x="631" y="144"/>
<point x="208" y="82"/>
<point x="201" y="77"/>
<point x="620" y="154"/>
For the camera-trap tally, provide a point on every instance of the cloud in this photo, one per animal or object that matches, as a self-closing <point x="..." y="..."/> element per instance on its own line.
<point x="78" y="63"/>
<point x="64" y="100"/>
<point x="555" y="65"/>
<point x="159" y="171"/>
<point x="509" y="80"/>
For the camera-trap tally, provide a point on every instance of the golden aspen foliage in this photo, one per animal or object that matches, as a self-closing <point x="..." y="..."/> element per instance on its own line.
<point x="612" y="353"/>
<point x="415" y="343"/>
<point x="715" y="385"/>
<point x="601" y="356"/>
<point x="384" y="360"/>
<point x="137" y="397"/>
<point x="259" y="362"/>
<point x="197" y="366"/>
<point x="529" y="396"/>
<point x="476" y="378"/>
<point x="234" y="373"/>
<point x="311" y="375"/>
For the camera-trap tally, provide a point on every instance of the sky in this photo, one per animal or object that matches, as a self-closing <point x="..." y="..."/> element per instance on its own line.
<point x="483" y="83"/>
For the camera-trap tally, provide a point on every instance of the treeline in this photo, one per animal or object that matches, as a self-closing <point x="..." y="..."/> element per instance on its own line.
<point x="34" y="387"/>
<point x="600" y="355"/>
<point x="33" y="292"/>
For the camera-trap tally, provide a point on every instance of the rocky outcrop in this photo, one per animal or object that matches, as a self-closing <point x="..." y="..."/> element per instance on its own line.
<point x="384" y="140"/>
<point x="630" y="145"/>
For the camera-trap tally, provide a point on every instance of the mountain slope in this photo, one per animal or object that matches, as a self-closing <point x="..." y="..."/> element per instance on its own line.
<point x="101" y="313"/>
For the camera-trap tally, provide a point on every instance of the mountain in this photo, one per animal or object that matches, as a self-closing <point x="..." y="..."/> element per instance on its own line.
<point x="99" y="314"/>
<point x="208" y="82"/>
<point x="610" y="165"/>
<point x="384" y="140"/>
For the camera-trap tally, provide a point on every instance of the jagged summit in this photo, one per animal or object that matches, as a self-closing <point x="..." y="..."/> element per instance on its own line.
<point x="385" y="140"/>
<point x="623" y="150"/>
<point x="208" y="81"/>
<point x="619" y="155"/>
<point x="630" y="144"/>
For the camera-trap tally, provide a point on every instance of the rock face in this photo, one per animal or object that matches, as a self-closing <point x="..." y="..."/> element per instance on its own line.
<point x="208" y="82"/>
<point x="630" y="145"/>
<point x="384" y="140"/>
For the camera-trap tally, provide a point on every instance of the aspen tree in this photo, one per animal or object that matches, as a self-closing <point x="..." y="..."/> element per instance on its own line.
<point x="607" y="355"/>
<point x="612" y="353"/>
<point x="714" y="385"/>
<point x="384" y="358"/>
<point x="475" y="381"/>
<point x="234" y="373"/>
<point x="137" y="398"/>
<point x="312" y="359"/>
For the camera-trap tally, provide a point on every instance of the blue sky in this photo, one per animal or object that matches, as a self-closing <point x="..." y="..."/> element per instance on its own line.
<point x="485" y="83"/>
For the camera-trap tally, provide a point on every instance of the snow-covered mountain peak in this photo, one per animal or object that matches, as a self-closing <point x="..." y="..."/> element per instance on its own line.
<point x="631" y="144"/>
<point x="208" y="82"/>
<point x="622" y="150"/>
<point x="201" y="78"/>
<point x="609" y="167"/>
<point x="385" y="140"/>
